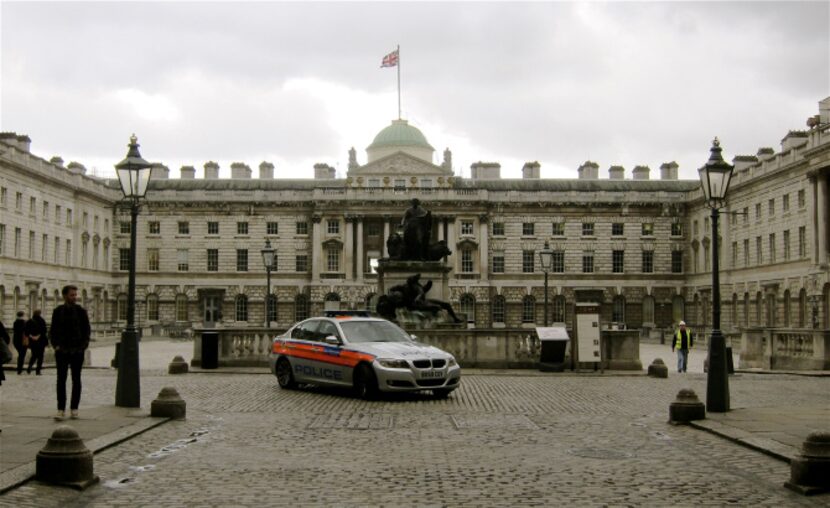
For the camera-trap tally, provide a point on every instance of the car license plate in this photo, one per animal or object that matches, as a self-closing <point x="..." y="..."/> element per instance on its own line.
<point x="432" y="374"/>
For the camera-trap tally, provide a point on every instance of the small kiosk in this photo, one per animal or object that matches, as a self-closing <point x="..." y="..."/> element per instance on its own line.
<point x="554" y="341"/>
<point x="588" y="343"/>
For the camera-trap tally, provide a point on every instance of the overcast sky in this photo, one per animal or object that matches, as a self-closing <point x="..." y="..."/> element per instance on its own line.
<point x="299" y="83"/>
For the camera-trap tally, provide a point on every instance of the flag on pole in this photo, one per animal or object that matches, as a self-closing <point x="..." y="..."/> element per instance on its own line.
<point x="390" y="60"/>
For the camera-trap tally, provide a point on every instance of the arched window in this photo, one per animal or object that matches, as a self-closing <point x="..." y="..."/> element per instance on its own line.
<point x="618" y="309"/>
<point x="746" y="310"/>
<point x="301" y="308"/>
<point x="181" y="308"/>
<point x="152" y="307"/>
<point x="734" y="310"/>
<point x="272" y="307"/>
<point x="648" y="309"/>
<point x="771" y="311"/>
<point x="787" y="309"/>
<point x="678" y="309"/>
<point x="242" y="308"/>
<point x="802" y="308"/>
<point x="528" y="309"/>
<point x="121" y="307"/>
<point x="558" y="315"/>
<point x="498" y="309"/>
<point x="468" y="307"/>
<point x="332" y="301"/>
<point x="15" y="300"/>
<point x="758" y="308"/>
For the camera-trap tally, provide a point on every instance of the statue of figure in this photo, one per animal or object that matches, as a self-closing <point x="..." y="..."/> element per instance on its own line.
<point x="417" y="229"/>
<point x="412" y="296"/>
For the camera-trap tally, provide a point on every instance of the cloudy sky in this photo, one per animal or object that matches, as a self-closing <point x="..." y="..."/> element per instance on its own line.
<point x="299" y="83"/>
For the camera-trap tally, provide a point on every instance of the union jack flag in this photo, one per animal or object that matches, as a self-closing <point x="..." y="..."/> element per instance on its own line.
<point x="390" y="60"/>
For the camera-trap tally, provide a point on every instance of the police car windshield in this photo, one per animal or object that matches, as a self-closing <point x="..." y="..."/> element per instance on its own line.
<point x="373" y="331"/>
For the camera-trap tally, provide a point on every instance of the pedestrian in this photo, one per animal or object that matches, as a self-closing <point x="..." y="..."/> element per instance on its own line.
<point x="682" y="342"/>
<point x="36" y="330"/>
<point x="5" y="354"/>
<point x="20" y="341"/>
<point x="69" y="336"/>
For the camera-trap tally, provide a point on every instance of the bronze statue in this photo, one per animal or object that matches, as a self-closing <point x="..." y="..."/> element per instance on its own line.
<point x="412" y="296"/>
<point x="417" y="230"/>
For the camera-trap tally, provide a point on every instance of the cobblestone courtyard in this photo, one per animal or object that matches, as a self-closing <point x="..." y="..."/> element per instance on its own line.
<point x="499" y="440"/>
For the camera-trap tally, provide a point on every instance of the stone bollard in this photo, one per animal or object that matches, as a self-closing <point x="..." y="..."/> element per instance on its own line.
<point x="168" y="404"/>
<point x="177" y="366"/>
<point x="686" y="408"/>
<point x="658" y="368"/>
<point x="810" y="470"/>
<point x="65" y="460"/>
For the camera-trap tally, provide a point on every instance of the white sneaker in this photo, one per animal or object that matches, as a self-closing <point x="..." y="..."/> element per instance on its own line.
<point x="60" y="416"/>
<point x="73" y="414"/>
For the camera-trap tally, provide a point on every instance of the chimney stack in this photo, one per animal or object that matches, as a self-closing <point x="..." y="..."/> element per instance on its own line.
<point x="211" y="170"/>
<point x="668" y="171"/>
<point x="187" y="173"/>
<point x="531" y="170"/>
<point x="240" y="170"/>
<point x="616" y="173"/>
<point x="266" y="171"/>
<point x="588" y="171"/>
<point x="641" y="172"/>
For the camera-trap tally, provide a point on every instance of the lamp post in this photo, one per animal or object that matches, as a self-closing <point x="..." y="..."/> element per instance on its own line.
<point x="546" y="260"/>
<point x="134" y="175"/>
<point x="268" y="261"/>
<point x="714" y="178"/>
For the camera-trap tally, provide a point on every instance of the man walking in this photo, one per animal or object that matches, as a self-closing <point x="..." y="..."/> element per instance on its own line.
<point x="69" y="336"/>
<point x="19" y="340"/>
<point x="682" y="342"/>
<point x="36" y="330"/>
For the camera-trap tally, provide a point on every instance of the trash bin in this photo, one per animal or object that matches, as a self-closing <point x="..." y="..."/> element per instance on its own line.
<point x="210" y="349"/>
<point x="552" y="355"/>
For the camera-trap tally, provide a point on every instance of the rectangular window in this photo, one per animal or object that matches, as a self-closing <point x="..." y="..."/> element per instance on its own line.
<point x="241" y="228"/>
<point x="2" y="239"/>
<point x="746" y="252"/>
<point x="57" y="214"/>
<point x="802" y="241"/>
<point x="772" y="248"/>
<point x="32" y="205"/>
<point x="272" y="228"/>
<point x="68" y="257"/>
<point x="757" y="211"/>
<point x="3" y="194"/>
<point x="373" y="229"/>
<point x="706" y="226"/>
<point x="734" y="254"/>
<point x="333" y="260"/>
<point x="152" y="260"/>
<point x="302" y="227"/>
<point x="558" y="229"/>
<point x="333" y="226"/>
<point x="802" y="202"/>
<point x="400" y="184"/>
<point x="124" y="227"/>
<point x="45" y="212"/>
<point x="241" y="260"/>
<point x="18" y="201"/>
<point x="617" y="229"/>
<point x="648" y="261"/>
<point x="676" y="229"/>
<point x="154" y="227"/>
<point x="152" y="309"/>
<point x="527" y="261"/>
<point x="31" y="245"/>
<point x="17" y="233"/>
<point x="301" y="263"/>
<point x="467" y="227"/>
<point x="617" y="261"/>
<point x="498" y="229"/>
<point x="467" y="261"/>
<point x="785" y="203"/>
<point x="181" y="308"/>
<point x="95" y="223"/>
<point x="558" y="262"/>
<point x="213" y="228"/>
<point x="787" y="245"/>
<point x="85" y="222"/>
<point x="759" y="253"/>
<point x="648" y="229"/>
<point x="771" y="207"/>
<point x="183" y="260"/>
<point x="124" y="259"/>
<point x="677" y="261"/>
<point x="213" y="260"/>
<point x="528" y="228"/>
<point x="588" y="262"/>
<point x="44" y="248"/>
<point x="745" y="214"/>
<point x="58" y="251"/>
<point x="68" y="216"/>
<point x="587" y="229"/>
<point x="184" y="228"/>
<point x="498" y="262"/>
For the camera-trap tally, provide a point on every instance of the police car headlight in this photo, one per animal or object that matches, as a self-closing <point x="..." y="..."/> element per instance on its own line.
<point x="393" y="364"/>
<point x="451" y="362"/>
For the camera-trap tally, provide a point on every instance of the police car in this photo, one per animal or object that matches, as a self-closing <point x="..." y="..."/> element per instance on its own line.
<point x="354" y="350"/>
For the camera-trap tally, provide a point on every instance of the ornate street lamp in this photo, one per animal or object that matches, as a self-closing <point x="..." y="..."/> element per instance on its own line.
<point x="268" y="260"/>
<point x="546" y="260"/>
<point x="134" y="175"/>
<point x="715" y="176"/>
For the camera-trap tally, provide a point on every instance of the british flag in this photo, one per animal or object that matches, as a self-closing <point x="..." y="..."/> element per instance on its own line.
<point x="390" y="60"/>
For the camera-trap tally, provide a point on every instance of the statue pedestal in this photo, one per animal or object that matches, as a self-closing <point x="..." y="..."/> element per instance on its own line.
<point x="394" y="273"/>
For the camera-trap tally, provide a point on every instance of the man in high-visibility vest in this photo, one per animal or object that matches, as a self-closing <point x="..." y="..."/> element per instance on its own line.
<point x="682" y="342"/>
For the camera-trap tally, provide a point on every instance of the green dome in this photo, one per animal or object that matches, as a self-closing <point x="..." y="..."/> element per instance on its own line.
<point x="400" y="133"/>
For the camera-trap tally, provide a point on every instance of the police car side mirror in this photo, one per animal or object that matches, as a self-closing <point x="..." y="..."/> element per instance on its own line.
<point x="413" y="336"/>
<point x="332" y="340"/>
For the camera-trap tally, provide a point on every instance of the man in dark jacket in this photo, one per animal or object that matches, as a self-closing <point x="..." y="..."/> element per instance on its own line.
<point x="4" y="336"/>
<point x="36" y="330"/>
<point x="17" y="339"/>
<point x="69" y="336"/>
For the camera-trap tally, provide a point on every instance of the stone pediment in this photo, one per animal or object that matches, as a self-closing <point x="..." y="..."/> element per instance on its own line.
<point x="400" y="164"/>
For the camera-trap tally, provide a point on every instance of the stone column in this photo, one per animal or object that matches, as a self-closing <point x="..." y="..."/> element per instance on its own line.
<point x="821" y="222"/>
<point x="483" y="247"/>
<point x="452" y="241"/>
<point x="316" y="247"/>
<point x="348" y="248"/>
<point x="440" y="221"/>
<point x="386" y="228"/>
<point x="361" y="255"/>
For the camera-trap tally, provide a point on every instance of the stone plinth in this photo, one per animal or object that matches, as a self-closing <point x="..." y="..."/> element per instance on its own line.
<point x="65" y="460"/>
<point x="810" y="470"/>
<point x="177" y="366"/>
<point x="168" y="404"/>
<point x="658" y="369"/>
<point x="686" y="407"/>
<point x="621" y="349"/>
<point x="393" y="273"/>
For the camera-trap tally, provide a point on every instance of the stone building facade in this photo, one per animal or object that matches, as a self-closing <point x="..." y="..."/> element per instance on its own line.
<point x="639" y="245"/>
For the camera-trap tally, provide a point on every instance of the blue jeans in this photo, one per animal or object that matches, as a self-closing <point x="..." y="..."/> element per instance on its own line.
<point x="682" y="359"/>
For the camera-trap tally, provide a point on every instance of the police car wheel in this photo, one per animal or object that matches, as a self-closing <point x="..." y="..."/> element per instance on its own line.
<point x="441" y="393"/>
<point x="285" y="377"/>
<point x="365" y="382"/>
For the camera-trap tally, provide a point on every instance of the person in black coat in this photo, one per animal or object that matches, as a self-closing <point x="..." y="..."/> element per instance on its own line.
<point x="17" y="339"/>
<point x="69" y="335"/>
<point x="4" y="336"/>
<point x="36" y="330"/>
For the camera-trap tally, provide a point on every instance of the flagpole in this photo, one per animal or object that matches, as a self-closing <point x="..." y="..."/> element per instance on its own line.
<point x="399" y="81"/>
